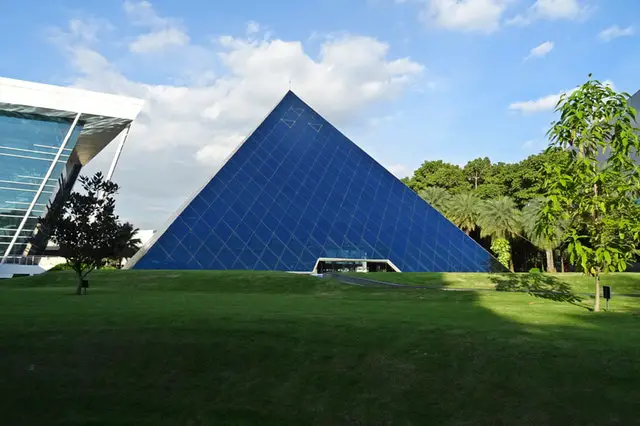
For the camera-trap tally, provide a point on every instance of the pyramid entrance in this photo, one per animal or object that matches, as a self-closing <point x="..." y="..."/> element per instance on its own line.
<point x="327" y="265"/>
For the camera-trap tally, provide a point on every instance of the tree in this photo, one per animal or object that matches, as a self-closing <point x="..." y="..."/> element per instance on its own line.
<point x="462" y="210"/>
<point x="437" y="198"/>
<point x="126" y="243"/>
<point x="498" y="182"/>
<point x="596" y="191"/>
<point x="86" y="228"/>
<point x="546" y="243"/>
<point x="526" y="180"/>
<point x="439" y="174"/>
<point x="499" y="219"/>
<point x="476" y="171"/>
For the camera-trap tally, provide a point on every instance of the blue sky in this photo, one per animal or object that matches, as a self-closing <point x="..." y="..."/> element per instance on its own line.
<point x="408" y="80"/>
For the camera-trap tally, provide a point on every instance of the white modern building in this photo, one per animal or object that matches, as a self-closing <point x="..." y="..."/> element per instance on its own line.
<point x="47" y="134"/>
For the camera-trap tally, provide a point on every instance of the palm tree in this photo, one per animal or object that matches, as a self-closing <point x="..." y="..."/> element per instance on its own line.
<point x="462" y="210"/>
<point x="127" y="243"/>
<point x="500" y="219"/>
<point x="530" y="215"/>
<point x="438" y="198"/>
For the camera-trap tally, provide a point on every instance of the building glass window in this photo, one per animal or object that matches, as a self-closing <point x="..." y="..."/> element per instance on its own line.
<point x="298" y="190"/>
<point x="28" y="146"/>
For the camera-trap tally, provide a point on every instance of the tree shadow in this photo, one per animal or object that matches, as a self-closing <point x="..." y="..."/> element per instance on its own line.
<point x="322" y="353"/>
<point x="538" y="285"/>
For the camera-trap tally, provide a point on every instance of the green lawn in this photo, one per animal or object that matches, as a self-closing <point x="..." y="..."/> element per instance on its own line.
<point x="212" y="348"/>
<point x="621" y="283"/>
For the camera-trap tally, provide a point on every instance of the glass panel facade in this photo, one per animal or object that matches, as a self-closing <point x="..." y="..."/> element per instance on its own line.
<point x="298" y="190"/>
<point x="28" y="145"/>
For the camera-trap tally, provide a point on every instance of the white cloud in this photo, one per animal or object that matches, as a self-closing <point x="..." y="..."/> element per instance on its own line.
<point x="465" y="15"/>
<point x="143" y="14"/>
<point x="552" y="10"/>
<point x="252" y="28"/>
<point x="558" y="9"/>
<point x="159" y="40"/>
<point x="185" y="131"/>
<point x="215" y="153"/>
<point x="540" y="50"/>
<point x="487" y="16"/>
<point x="165" y="32"/>
<point x="399" y="170"/>
<point x="78" y="31"/>
<point x="615" y="32"/>
<point x="546" y="103"/>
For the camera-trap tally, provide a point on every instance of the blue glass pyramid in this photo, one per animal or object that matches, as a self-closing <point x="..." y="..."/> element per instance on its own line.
<point x="298" y="190"/>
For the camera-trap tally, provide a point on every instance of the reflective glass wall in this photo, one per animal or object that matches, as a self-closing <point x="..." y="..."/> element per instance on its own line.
<point x="28" y="145"/>
<point x="298" y="190"/>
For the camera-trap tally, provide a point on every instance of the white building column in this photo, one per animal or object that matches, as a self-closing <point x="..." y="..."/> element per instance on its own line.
<point x="116" y="156"/>
<point x="41" y="187"/>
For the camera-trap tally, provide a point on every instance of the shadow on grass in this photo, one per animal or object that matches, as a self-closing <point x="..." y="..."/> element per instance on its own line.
<point x="284" y="349"/>
<point x="538" y="285"/>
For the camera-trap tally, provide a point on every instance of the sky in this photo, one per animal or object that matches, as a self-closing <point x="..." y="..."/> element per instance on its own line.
<point x="406" y="80"/>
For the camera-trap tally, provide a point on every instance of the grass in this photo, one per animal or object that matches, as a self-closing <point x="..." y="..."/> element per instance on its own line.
<point x="205" y="348"/>
<point x="621" y="283"/>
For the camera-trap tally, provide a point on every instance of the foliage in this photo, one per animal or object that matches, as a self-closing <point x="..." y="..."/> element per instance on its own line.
<point x="530" y="215"/>
<point x="86" y="228"/>
<point x="595" y="192"/>
<point x="527" y="179"/>
<point x="61" y="267"/>
<point x="438" y="198"/>
<point x="548" y="242"/>
<point x="499" y="218"/>
<point x="462" y="210"/>
<point x="502" y="250"/>
<point x="521" y="181"/>
<point x="490" y="190"/>
<point x="499" y="182"/>
<point x="439" y="174"/>
<point x="126" y="243"/>
<point x="476" y="171"/>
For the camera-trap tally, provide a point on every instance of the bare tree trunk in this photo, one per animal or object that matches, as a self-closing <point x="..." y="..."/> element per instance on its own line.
<point x="79" y="287"/>
<point x="596" y="305"/>
<point x="551" y="267"/>
<point x="561" y="260"/>
<point x="511" y="267"/>
<point x="467" y="231"/>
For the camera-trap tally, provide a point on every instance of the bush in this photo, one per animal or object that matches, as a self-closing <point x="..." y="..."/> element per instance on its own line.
<point x="535" y="271"/>
<point x="66" y="267"/>
<point x="108" y="268"/>
<point x="60" y="267"/>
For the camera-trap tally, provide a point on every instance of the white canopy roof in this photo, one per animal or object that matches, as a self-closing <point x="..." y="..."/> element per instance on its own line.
<point x="104" y="115"/>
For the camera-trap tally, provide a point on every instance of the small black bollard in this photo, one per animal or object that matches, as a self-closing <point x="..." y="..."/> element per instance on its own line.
<point x="85" y="286"/>
<point x="606" y="293"/>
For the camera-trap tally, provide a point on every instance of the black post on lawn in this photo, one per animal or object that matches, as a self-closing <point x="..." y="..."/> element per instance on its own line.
<point x="606" y="293"/>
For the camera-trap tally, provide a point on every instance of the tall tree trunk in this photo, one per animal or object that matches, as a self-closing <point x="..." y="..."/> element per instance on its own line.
<point x="561" y="260"/>
<point x="79" y="287"/>
<point x="596" y="305"/>
<point x="467" y="231"/>
<point x="511" y="267"/>
<point x="551" y="267"/>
